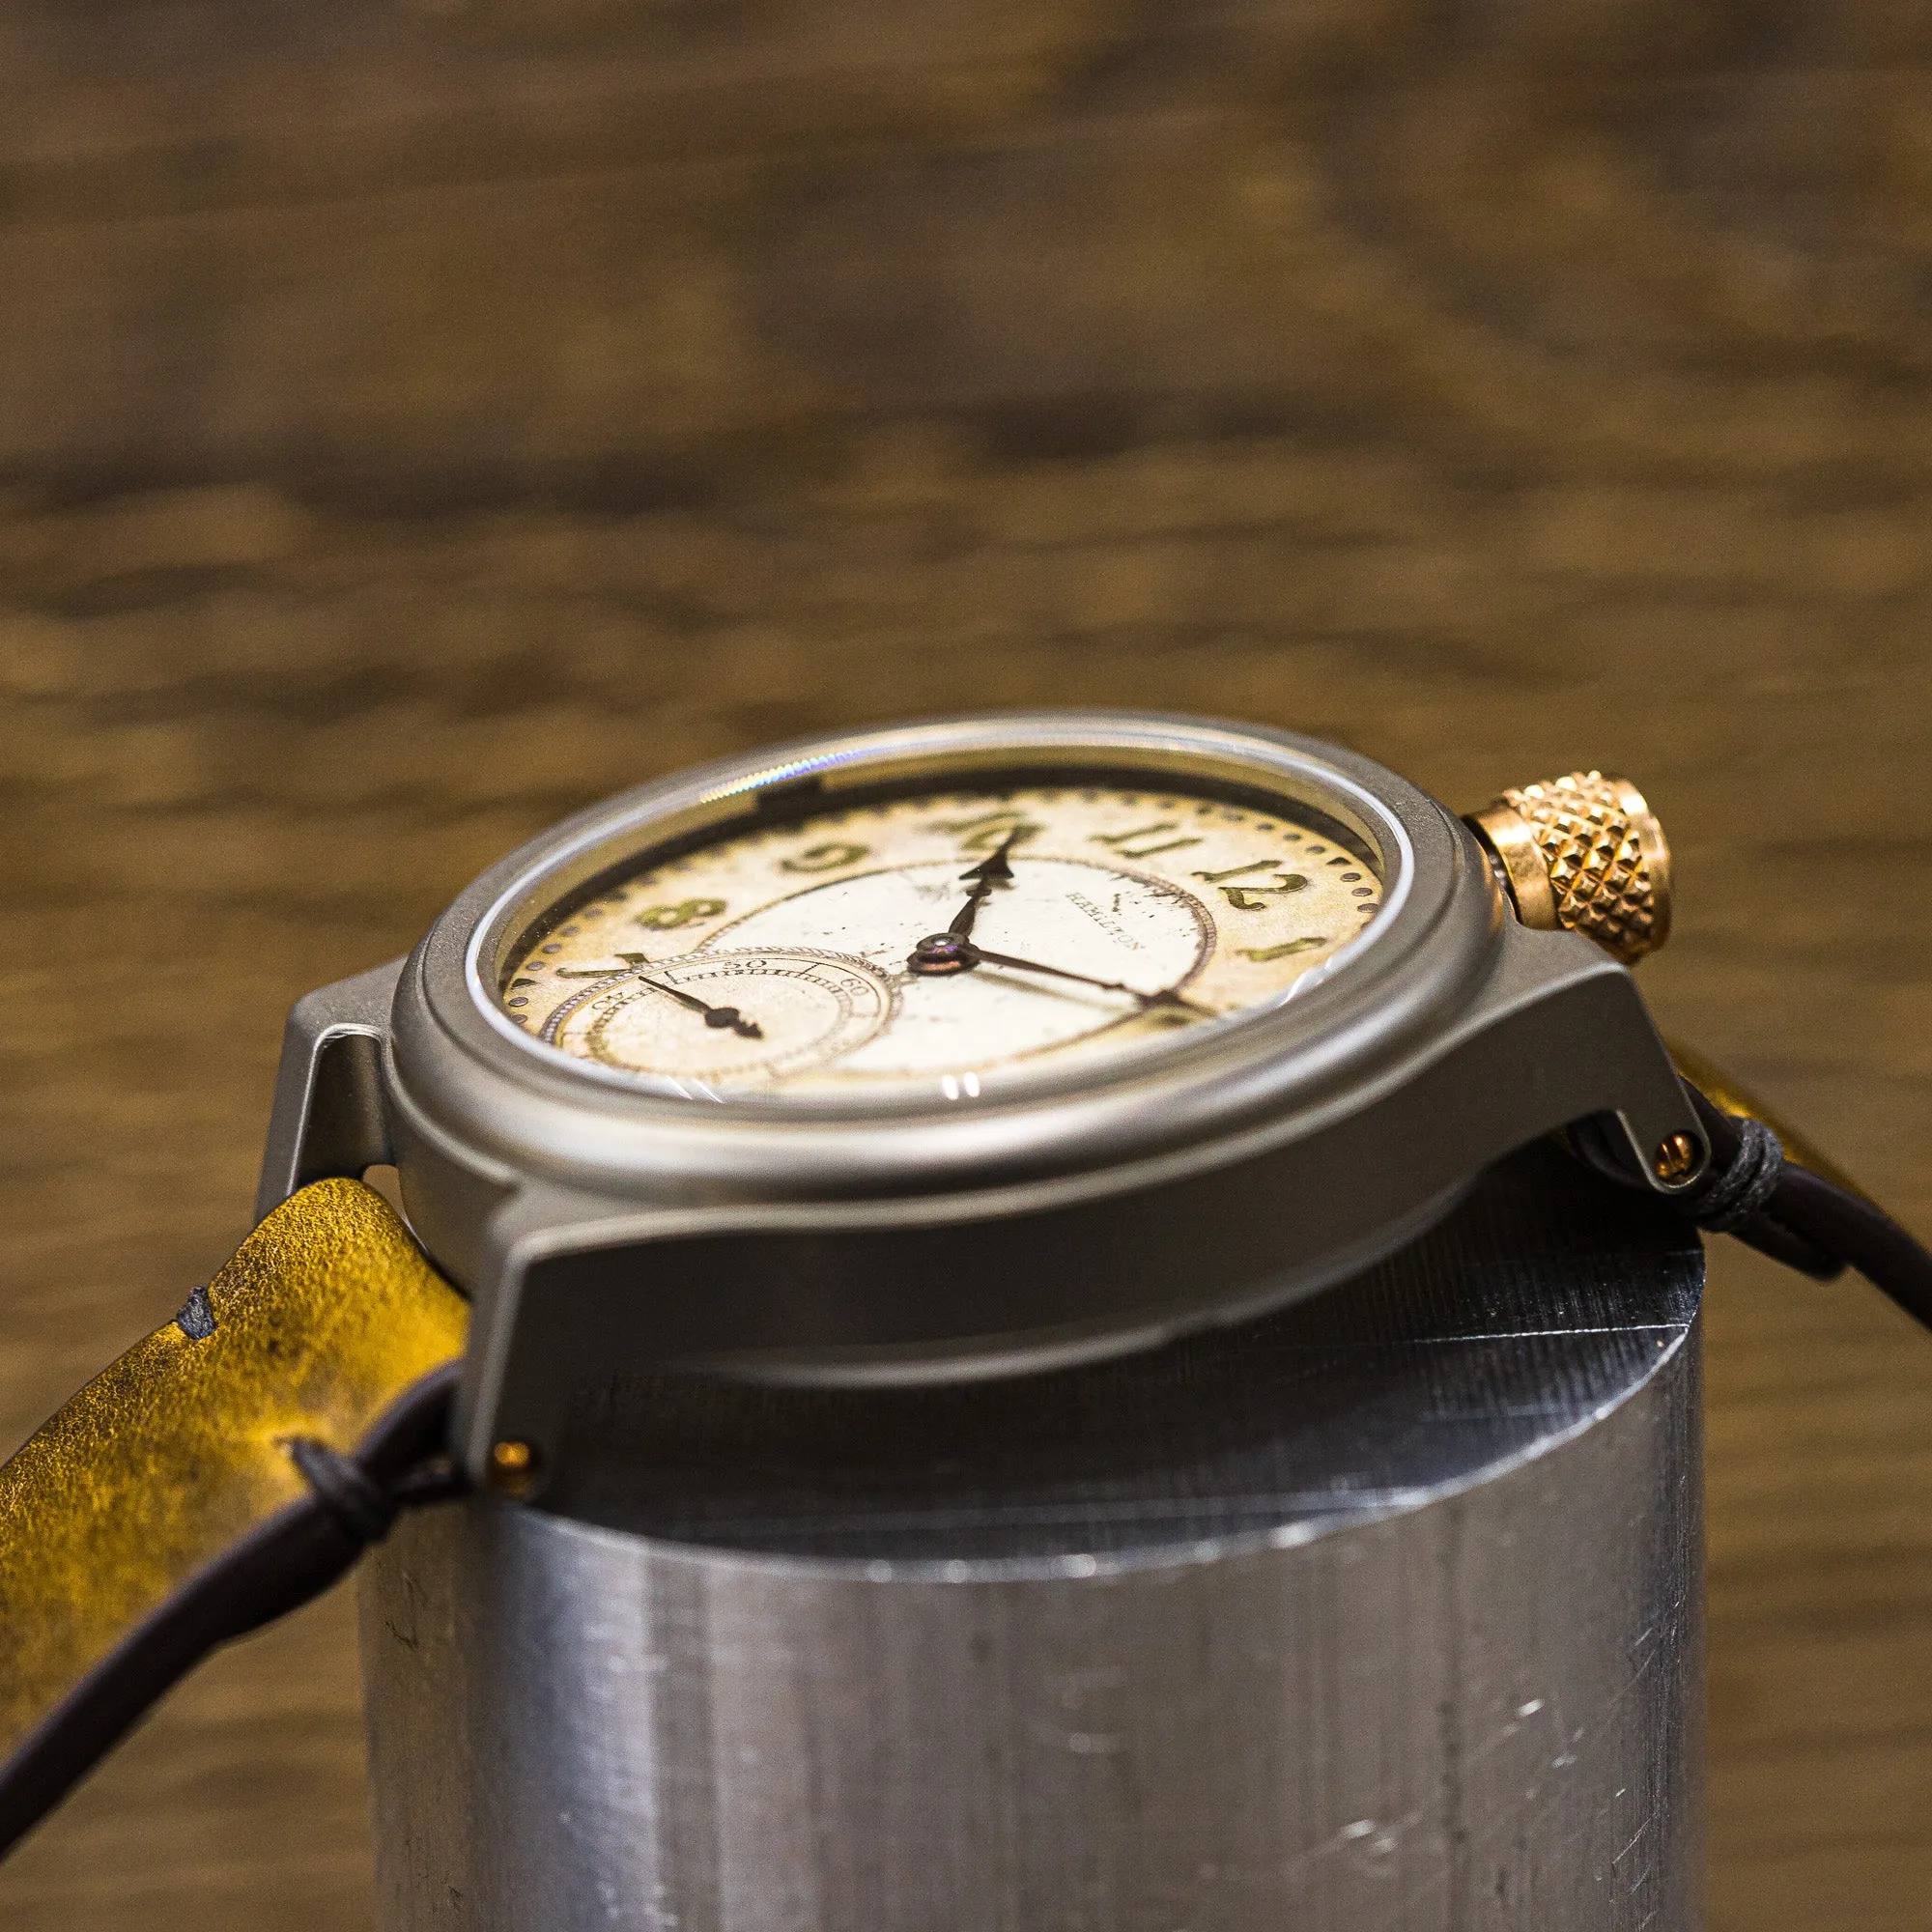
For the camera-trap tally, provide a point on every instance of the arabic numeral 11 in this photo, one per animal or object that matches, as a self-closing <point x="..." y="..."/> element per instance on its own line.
<point x="1125" y="843"/>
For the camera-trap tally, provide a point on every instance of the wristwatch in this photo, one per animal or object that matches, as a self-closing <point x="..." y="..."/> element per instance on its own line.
<point x="956" y="1049"/>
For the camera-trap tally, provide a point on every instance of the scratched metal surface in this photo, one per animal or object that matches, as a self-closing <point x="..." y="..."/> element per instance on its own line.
<point x="418" y="422"/>
<point x="1379" y="1615"/>
<point x="1542" y="1299"/>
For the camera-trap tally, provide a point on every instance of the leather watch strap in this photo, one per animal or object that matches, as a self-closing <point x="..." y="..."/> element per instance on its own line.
<point x="1725" y="1089"/>
<point x="1775" y="1192"/>
<point x="236" y="1462"/>
<point x="247" y="1419"/>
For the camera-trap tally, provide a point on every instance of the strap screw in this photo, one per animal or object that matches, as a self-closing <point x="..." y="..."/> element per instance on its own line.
<point x="513" y="1467"/>
<point x="1675" y="1160"/>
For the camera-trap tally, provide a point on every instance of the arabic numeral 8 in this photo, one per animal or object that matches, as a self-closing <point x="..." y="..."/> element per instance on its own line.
<point x="685" y="912"/>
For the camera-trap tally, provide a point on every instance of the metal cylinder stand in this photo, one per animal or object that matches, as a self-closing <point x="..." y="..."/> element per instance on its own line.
<point x="1383" y="1612"/>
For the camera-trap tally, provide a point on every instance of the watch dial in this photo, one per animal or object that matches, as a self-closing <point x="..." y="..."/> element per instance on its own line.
<point x="941" y="938"/>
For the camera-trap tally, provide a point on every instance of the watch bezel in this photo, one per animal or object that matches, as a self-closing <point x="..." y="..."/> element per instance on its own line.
<point x="539" y="1108"/>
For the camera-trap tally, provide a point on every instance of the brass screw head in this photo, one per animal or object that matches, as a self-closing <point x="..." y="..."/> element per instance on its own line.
<point x="1585" y="853"/>
<point x="513" y="1467"/>
<point x="1676" y="1157"/>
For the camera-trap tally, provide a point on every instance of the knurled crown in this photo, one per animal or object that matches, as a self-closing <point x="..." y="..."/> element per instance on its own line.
<point x="1587" y="853"/>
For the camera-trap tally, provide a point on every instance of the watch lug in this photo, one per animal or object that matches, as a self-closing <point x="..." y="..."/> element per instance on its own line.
<point x="531" y="1223"/>
<point x="329" y="1116"/>
<point x="1592" y="1015"/>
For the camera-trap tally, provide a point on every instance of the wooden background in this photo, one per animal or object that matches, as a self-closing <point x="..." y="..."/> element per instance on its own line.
<point x="417" y="421"/>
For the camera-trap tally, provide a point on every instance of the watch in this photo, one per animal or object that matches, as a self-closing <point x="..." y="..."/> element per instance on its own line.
<point x="963" y="1048"/>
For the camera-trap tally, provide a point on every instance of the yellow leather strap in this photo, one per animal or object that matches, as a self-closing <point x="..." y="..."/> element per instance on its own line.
<point x="325" y="1316"/>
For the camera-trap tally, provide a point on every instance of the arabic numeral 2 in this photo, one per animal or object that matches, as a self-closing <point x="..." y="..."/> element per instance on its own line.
<point x="1262" y="955"/>
<point x="1125" y="843"/>
<point x="685" y="912"/>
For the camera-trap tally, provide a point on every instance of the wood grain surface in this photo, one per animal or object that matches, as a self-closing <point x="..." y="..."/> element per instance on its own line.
<point x="415" y="423"/>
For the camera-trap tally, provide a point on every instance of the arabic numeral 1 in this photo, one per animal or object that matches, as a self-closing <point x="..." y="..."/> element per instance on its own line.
<point x="1262" y="955"/>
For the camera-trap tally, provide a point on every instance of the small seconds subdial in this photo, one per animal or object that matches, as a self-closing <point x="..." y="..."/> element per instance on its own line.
<point x="724" y="1020"/>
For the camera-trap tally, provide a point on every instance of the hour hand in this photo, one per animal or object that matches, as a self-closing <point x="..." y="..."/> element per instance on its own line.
<point x="1167" y="996"/>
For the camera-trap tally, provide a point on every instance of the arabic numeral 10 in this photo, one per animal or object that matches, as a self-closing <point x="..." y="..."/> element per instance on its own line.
<point x="826" y="858"/>
<point x="988" y="832"/>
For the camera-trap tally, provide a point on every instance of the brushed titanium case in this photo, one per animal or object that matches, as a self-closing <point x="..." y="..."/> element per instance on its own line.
<point x="604" y="1230"/>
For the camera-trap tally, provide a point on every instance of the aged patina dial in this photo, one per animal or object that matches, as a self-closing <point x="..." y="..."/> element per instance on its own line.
<point x="933" y="938"/>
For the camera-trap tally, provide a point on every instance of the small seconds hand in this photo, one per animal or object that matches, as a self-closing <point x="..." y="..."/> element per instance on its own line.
<point x="714" y="1017"/>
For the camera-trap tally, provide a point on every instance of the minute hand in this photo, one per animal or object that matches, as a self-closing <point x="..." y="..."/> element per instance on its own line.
<point x="990" y="872"/>
<point x="1168" y="996"/>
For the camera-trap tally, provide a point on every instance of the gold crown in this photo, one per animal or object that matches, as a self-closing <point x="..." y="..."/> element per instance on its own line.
<point x="1583" y="852"/>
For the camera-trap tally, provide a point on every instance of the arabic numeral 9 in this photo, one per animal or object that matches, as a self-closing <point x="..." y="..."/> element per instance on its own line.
<point x="685" y="912"/>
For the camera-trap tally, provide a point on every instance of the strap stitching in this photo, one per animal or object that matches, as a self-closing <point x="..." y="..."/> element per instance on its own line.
<point x="344" y="1489"/>
<point x="1741" y="1190"/>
